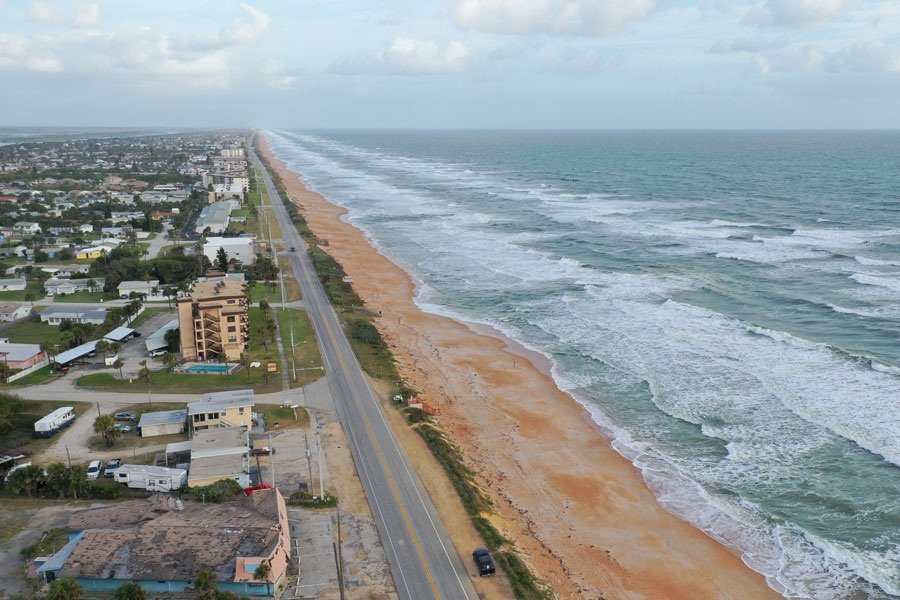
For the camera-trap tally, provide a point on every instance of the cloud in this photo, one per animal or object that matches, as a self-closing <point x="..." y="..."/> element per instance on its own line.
<point x="407" y="56"/>
<point x="868" y="57"/>
<point x="87" y="16"/>
<point x="44" y="12"/>
<point x="556" y="17"/>
<point x="789" y="60"/>
<point x="754" y="44"/>
<point x="239" y="32"/>
<point x="18" y="53"/>
<point x="797" y="13"/>
<point x="278" y="77"/>
<point x="582" y="62"/>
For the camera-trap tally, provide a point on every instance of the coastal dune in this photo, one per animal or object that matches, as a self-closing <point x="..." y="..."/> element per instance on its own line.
<point x="579" y="512"/>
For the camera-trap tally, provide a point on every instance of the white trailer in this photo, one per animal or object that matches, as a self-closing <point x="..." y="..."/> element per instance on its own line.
<point x="52" y="423"/>
<point x="155" y="479"/>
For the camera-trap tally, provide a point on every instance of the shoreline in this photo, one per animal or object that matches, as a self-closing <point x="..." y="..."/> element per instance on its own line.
<point x="579" y="512"/>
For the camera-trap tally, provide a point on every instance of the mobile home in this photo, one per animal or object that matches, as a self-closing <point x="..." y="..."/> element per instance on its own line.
<point x="147" y="477"/>
<point x="59" y="418"/>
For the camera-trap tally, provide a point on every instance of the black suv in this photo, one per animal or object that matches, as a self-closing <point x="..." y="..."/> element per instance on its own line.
<point x="484" y="561"/>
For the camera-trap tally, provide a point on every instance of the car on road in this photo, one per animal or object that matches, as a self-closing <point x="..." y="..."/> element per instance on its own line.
<point x="262" y="451"/>
<point x="122" y="428"/>
<point x="484" y="562"/>
<point x="293" y="249"/>
<point x="125" y="416"/>
<point x="93" y="470"/>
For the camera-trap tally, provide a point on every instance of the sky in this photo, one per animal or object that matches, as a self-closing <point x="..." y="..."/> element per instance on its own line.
<point x="593" y="64"/>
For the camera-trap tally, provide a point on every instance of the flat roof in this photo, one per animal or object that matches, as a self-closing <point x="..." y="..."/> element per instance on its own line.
<point x="176" y="447"/>
<point x="228" y="241"/>
<point x="163" y="417"/>
<point x="118" y="334"/>
<point x="208" y="442"/>
<point x="225" y="465"/>
<point x="76" y="352"/>
<point x="157" y="340"/>
<point x="139" y="284"/>
<point x="61" y="312"/>
<point x="152" y="470"/>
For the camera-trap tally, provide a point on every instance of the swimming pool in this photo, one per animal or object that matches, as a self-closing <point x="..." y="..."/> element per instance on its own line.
<point x="207" y="369"/>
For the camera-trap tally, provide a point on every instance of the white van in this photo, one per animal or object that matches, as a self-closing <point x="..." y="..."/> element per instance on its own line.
<point x="94" y="470"/>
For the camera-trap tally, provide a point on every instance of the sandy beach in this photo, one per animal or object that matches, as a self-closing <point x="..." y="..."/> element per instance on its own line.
<point x="578" y="511"/>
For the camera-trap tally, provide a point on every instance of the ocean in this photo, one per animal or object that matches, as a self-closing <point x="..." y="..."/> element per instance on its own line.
<point x="725" y="304"/>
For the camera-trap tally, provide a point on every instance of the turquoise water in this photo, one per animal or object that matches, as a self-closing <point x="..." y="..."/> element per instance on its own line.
<point x="206" y="369"/>
<point x="727" y="306"/>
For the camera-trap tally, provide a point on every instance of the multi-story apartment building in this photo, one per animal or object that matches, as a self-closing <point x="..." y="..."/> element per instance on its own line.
<point x="213" y="319"/>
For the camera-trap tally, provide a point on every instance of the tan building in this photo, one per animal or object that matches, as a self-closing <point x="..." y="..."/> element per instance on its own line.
<point x="220" y="453"/>
<point x="232" y="408"/>
<point x="213" y="319"/>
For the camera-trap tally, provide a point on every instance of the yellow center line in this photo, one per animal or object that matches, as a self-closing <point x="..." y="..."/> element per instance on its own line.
<point x="385" y="466"/>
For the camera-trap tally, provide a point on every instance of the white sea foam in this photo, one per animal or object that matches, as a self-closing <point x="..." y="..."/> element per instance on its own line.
<point x="874" y="262"/>
<point x="891" y="283"/>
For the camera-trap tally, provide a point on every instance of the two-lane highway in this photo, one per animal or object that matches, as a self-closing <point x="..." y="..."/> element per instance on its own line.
<point x="423" y="561"/>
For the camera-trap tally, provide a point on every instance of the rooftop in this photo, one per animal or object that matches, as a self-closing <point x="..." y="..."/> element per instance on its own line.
<point x="125" y="285"/>
<point x="18" y="352"/>
<point x="219" y="288"/>
<point x="228" y="241"/>
<point x="163" y="417"/>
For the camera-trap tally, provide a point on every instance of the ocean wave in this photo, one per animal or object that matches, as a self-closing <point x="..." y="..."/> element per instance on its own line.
<point x="885" y="282"/>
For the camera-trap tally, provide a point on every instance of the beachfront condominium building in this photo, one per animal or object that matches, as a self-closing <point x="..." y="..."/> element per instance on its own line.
<point x="213" y="319"/>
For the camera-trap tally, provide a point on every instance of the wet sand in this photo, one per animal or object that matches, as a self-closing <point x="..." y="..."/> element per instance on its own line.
<point x="578" y="511"/>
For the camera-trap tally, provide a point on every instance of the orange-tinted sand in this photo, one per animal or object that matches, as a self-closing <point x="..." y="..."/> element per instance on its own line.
<point x="579" y="512"/>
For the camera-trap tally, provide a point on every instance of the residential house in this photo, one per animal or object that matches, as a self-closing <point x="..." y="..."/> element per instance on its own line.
<point x="11" y="285"/>
<point x="21" y="356"/>
<point x="233" y="408"/>
<point x="238" y="248"/>
<point x="86" y="228"/>
<point x="65" y="271"/>
<point x="54" y="315"/>
<point x="10" y="311"/>
<point x="91" y="252"/>
<point x="55" y="286"/>
<point x="27" y="228"/>
<point x="220" y="453"/>
<point x="126" y="288"/>
<point x="166" y="422"/>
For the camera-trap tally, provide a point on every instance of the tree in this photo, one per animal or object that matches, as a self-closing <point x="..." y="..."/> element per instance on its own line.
<point x="114" y="347"/>
<point x="118" y="365"/>
<point x="145" y="372"/>
<point x="29" y="297"/>
<point x="91" y="284"/>
<point x="222" y="260"/>
<point x="4" y="371"/>
<point x="205" y="586"/>
<point x="65" y="589"/>
<point x="130" y="591"/>
<point x="27" y="479"/>
<point x="170" y="360"/>
<point x="245" y="362"/>
<point x="173" y="340"/>
<point x="262" y="573"/>
<point x="66" y="481"/>
<point x="105" y="425"/>
<point x="102" y="347"/>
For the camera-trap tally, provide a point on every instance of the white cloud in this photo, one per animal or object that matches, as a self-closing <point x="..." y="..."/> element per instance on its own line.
<point x="868" y="57"/>
<point x="407" y="56"/>
<point x="797" y="13"/>
<point x="18" y="52"/>
<point x="559" y="17"/>
<point x="754" y="44"/>
<point x="44" y="12"/>
<point x="278" y="77"/>
<point x="582" y="62"/>
<point x="244" y="33"/>
<point x="788" y="60"/>
<point x="87" y="16"/>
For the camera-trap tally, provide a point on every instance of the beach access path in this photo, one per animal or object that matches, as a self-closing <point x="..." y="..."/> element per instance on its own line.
<point x="424" y="563"/>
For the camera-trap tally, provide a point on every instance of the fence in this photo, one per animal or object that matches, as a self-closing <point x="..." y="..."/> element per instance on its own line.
<point x="28" y="371"/>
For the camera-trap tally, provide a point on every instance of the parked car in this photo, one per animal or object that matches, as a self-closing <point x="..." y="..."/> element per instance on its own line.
<point x="122" y="428"/>
<point x="16" y="454"/>
<point x="262" y="451"/>
<point x="61" y="369"/>
<point x="135" y="333"/>
<point x="93" y="470"/>
<point x="125" y="416"/>
<point x="484" y="562"/>
<point x="111" y="467"/>
<point x="157" y="353"/>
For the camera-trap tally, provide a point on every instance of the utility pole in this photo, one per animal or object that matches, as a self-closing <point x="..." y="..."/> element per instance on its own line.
<point x="340" y="552"/>
<point x="293" y="358"/>
<point x="98" y="409"/>
<point x="321" y="480"/>
<point x="272" y="458"/>
<point x="308" y="459"/>
<point x="69" y="458"/>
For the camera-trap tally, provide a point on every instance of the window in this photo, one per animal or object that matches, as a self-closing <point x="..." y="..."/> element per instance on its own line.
<point x="232" y="329"/>
<point x="231" y="319"/>
<point x="231" y="302"/>
<point x="241" y="410"/>
<point x="232" y="339"/>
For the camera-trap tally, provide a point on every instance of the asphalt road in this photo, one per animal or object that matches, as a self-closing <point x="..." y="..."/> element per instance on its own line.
<point x="424" y="563"/>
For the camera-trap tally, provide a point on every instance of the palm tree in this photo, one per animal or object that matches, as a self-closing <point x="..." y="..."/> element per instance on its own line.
<point x="114" y="347"/>
<point x="118" y="365"/>
<point x="145" y="372"/>
<point x="170" y="360"/>
<point x="130" y="591"/>
<point x="106" y="426"/>
<point x="245" y="362"/>
<point x="262" y="573"/>
<point x="65" y="589"/>
<point x="205" y="586"/>
<point x="29" y="297"/>
<point x="102" y="347"/>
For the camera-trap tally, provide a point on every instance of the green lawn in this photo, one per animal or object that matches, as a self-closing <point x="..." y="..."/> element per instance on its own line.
<point x="40" y="376"/>
<point x="167" y="382"/>
<point x="86" y="297"/>
<point x="305" y="353"/>
<point x="275" y="413"/>
<point x="31" y="287"/>
<point x="260" y="291"/>
<point x="33" y="332"/>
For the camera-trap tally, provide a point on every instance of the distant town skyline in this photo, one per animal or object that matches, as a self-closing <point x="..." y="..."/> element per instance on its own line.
<point x="452" y="64"/>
